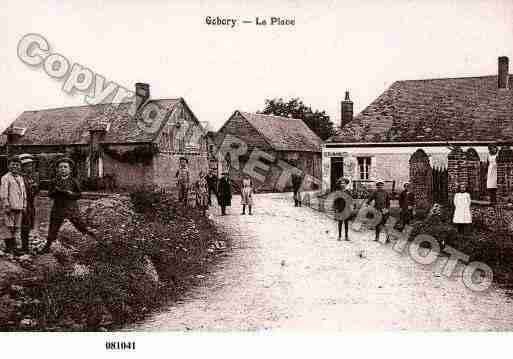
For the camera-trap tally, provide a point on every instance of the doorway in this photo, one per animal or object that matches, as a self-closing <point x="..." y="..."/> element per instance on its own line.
<point x="337" y="171"/>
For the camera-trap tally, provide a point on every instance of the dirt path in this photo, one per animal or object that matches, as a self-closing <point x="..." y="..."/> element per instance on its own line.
<point x="287" y="271"/>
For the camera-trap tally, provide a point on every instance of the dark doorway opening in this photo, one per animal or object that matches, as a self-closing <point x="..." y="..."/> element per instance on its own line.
<point x="337" y="170"/>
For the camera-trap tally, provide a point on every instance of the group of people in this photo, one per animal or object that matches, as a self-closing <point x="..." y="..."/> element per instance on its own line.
<point x="209" y="184"/>
<point x="18" y="190"/>
<point x="381" y="200"/>
<point x="462" y="216"/>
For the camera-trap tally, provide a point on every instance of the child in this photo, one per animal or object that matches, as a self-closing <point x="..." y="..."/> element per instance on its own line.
<point x="183" y="177"/>
<point x="247" y="195"/>
<point x="202" y="200"/>
<point x="406" y="202"/>
<point x="224" y="192"/>
<point x="31" y="179"/>
<point x="381" y="204"/>
<point x="14" y="200"/>
<point x="212" y="184"/>
<point x="491" y="177"/>
<point x="65" y="191"/>
<point x="339" y="206"/>
<point x="297" y="181"/>
<point x="462" y="214"/>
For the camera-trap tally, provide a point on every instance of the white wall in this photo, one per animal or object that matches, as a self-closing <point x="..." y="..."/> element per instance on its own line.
<point x="387" y="163"/>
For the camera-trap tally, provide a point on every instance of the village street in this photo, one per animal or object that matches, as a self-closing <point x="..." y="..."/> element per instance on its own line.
<point x="287" y="271"/>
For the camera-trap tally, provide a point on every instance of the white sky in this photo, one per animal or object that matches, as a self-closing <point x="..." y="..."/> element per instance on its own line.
<point x="362" y="46"/>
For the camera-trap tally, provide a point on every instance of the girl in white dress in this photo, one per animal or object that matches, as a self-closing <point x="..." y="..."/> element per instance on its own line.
<point x="247" y="195"/>
<point x="462" y="214"/>
<point x="491" y="178"/>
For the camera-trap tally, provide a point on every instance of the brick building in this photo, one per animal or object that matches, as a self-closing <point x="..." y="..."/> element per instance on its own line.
<point x="428" y="114"/>
<point x="283" y="139"/>
<point x="106" y="140"/>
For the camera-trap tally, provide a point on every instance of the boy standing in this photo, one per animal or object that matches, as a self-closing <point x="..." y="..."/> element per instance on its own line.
<point x="406" y="202"/>
<point x="31" y="179"/>
<point x="224" y="192"/>
<point x="65" y="192"/>
<point x="212" y="185"/>
<point x="183" y="177"/>
<point x="297" y="181"/>
<point x="14" y="201"/>
<point x="381" y="200"/>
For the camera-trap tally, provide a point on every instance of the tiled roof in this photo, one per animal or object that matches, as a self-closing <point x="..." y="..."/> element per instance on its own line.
<point x="284" y="134"/>
<point x="71" y="125"/>
<point x="450" y="109"/>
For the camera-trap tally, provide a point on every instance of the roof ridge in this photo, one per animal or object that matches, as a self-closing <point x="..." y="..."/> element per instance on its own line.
<point x="98" y="104"/>
<point x="269" y="115"/>
<point x="449" y="78"/>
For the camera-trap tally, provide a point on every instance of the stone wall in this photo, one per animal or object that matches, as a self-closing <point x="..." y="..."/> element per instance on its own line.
<point x="128" y="175"/>
<point x="165" y="166"/>
<point x="421" y="179"/>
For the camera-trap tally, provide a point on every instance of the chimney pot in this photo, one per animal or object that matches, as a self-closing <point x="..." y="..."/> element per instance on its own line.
<point x="503" y="72"/>
<point x="142" y="94"/>
<point x="346" y="111"/>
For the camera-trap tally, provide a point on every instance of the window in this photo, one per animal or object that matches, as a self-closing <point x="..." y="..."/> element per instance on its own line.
<point x="364" y="166"/>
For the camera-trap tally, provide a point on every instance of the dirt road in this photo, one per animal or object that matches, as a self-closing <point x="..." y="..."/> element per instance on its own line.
<point x="287" y="271"/>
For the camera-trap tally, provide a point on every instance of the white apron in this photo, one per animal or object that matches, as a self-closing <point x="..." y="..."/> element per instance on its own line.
<point x="491" y="177"/>
<point x="462" y="212"/>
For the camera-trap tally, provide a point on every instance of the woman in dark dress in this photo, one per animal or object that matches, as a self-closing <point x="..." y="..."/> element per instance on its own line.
<point x="224" y="192"/>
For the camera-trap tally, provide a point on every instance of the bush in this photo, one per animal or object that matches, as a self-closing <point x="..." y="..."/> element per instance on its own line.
<point x="140" y="261"/>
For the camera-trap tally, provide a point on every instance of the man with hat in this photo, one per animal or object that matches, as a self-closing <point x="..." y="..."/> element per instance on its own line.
<point x="65" y="192"/>
<point x="297" y="181"/>
<point x="212" y="184"/>
<point x="381" y="200"/>
<point x="31" y="179"/>
<point x="183" y="178"/>
<point x="224" y="192"/>
<point x="13" y="197"/>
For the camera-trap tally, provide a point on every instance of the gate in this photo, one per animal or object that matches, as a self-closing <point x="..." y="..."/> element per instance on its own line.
<point x="440" y="185"/>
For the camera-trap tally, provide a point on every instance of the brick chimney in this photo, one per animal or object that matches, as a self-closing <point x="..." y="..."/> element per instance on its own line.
<point x="346" y="111"/>
<point x="503" y="72"/>
<point x="14" y="134"/>
<point x="142" y="94"/>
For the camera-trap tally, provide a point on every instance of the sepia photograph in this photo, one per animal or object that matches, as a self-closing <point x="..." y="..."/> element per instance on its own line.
<point x="255" y="168"/>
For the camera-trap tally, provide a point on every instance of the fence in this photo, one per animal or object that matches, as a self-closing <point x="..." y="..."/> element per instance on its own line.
<point x="440" y="185"/>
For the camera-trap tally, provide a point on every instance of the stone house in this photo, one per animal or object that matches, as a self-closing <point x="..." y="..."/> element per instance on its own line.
<point x="107" y="140"/>
<point x="469" y="112"/>
<point x="282" y="139"/>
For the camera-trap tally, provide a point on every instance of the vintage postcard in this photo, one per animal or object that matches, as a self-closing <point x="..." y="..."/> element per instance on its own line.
<point x="261" y="168"/>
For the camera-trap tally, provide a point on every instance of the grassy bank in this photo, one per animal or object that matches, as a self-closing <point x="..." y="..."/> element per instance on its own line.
<point x="148" y="254"/>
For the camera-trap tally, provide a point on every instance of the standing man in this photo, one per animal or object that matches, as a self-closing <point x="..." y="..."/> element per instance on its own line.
<point x="183" y="177"/>
<point x="406" y="202"/>
<point x="297" y="180"/>
<point x="224" y="192"/>
<point x="31" y="178"/>
<point x="212" y="185"/>
<point x="381" y="200"/>
<point x="13" y="197"/>
<point x="491" y="178"/>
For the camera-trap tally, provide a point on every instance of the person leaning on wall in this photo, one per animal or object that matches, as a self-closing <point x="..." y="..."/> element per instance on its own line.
<point x="31" y="179"/>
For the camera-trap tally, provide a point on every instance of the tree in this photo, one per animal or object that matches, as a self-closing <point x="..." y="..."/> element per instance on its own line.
<point x="319" y="122"/>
